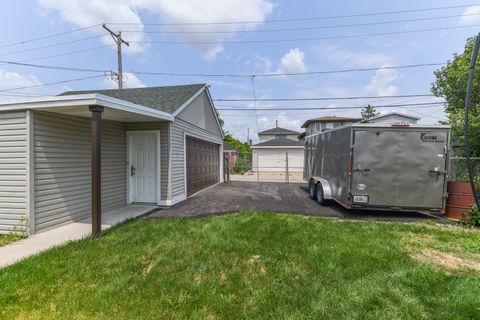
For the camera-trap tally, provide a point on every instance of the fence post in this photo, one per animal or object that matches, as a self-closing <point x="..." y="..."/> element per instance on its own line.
<point x="287" y="178"/>
<point x="227" y="163"/>
<point x="258" y="169"/>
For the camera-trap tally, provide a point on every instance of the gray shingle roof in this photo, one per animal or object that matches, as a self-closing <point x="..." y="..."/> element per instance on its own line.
<point x="278" y="130"/>
<point x="280" y="142"/>
<point x="227" y="147"/>
<point x="167" y="99"/>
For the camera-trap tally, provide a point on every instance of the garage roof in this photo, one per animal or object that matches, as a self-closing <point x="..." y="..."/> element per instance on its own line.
<point x="167" y="99"/>
<point x="278" y="130"/>
<point x="279" y="143"/>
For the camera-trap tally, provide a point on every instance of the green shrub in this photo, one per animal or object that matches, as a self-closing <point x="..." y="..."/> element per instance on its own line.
<point x="472" y="218"/>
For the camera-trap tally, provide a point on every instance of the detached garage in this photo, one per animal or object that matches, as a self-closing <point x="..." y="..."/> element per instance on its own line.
<point x="278" y="155"/>
<point x="67" y="156"/>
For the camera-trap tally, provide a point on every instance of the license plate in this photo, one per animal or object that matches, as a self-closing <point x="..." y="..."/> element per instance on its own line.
<point x="360" y="199"/>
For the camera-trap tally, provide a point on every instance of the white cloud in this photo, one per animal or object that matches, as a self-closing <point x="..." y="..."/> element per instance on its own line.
<point x="352" y="58"/>
<point x="15" y="80"/>
<point x="284" y="121"/>
<point x="182" y="11"/>
<point x="381" y="83"/>
<point x="260" y="62"/>
<point x="293" y="61"/>
<point x="471" y="15"/>
<point x="88" y="12"/>
<point x="129" y="81"/>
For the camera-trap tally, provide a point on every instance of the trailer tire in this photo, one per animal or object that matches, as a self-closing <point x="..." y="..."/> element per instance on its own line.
<point x="319" y="195"/>
<point x="312" y="190"/>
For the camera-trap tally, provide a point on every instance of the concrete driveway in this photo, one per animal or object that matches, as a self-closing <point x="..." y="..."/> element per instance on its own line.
<point x="274" y="197"/>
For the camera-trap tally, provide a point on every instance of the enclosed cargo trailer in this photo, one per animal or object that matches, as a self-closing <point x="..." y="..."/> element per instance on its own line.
<point x="368" y="166"/>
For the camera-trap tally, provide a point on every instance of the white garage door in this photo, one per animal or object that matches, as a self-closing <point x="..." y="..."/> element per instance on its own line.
<point x="274" y="160"/>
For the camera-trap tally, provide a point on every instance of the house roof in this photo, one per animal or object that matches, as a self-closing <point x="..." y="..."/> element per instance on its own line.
<point x="278" y="130"/>
<point x="227" y="147"/>
<point x="330" y="119"/>
<point x="167" y="99"/>
<point x="394" y="113"/>
<point x="279" y="143"/>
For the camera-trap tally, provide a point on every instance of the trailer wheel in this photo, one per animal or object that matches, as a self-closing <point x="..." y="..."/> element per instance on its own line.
<point x="312" y="190"/>
<point x="319" y="195"/>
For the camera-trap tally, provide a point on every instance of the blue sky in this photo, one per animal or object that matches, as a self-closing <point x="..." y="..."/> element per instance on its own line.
<point x="28" y="19"/>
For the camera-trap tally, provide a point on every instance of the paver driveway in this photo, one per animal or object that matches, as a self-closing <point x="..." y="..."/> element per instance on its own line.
<point x="274" y="197"/>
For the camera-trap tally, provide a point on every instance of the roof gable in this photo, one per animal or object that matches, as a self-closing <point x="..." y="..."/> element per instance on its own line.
<point x="278" y="131"/>
<point x="279" y="142"/>
<point x="167" y="99"/>
<point x="200" y="113"/>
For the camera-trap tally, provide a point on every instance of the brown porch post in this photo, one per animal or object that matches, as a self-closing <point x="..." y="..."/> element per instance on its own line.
<point x="96" y="138"/>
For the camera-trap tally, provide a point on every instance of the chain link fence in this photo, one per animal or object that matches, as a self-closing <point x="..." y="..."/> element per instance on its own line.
<point x="265" y="166"/>
<point x="458" y="168"/>
<point x="275" y="166"/>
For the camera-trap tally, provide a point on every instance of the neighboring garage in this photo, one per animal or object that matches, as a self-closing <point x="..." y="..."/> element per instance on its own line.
<point x="203" y="164"/>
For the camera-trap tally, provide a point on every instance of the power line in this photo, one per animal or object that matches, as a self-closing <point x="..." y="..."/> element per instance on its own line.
<point x="23" y="94"/>
<point x="303" y="28"/>
<point x="299" y="19"/>
<point x="48" y="36"/>
<point x="326" y="98"/>
<point x="53" y="67"/>
<point x="409" y="105"/>
<point x="51" y="45"/>
<point x="68" y="53"/>
<point x="286" y="73"/>
<point x="51" y="83"/>
<point x="308" y="39"/>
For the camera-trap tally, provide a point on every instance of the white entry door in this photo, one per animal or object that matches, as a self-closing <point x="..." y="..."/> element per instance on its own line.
<point x="144" y="178"/>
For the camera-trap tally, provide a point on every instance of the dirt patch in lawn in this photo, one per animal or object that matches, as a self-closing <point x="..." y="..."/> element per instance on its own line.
<point x="447" y="260"/>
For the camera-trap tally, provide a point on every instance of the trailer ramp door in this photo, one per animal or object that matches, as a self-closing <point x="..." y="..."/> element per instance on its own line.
<point x="399" y="168"/>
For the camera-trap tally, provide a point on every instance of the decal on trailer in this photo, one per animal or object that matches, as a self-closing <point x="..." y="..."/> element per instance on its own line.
<point x="425" y="137"/>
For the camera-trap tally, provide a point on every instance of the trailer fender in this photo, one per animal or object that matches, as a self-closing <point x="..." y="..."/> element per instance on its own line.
<point x="327" y="189"/>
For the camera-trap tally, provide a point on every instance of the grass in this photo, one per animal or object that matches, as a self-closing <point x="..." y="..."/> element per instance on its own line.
<point x="250" y="266"/>
<point x="9" y="238"/>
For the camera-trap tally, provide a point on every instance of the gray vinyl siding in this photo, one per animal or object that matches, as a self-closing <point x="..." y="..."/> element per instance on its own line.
<point x="164" y="150"/>
<point x="178" y="130"/>
<point x="62" y="168"/>
<point x="114" y="159"/>
<point x="13" y="174"/>
<point x="199" y="113"/>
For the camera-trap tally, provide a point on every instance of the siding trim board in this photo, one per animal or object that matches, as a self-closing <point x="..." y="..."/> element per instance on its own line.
<point x="30" y="199"/>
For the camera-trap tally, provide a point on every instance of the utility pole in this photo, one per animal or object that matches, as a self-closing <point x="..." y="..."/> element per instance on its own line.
<point x="117" y="37"/>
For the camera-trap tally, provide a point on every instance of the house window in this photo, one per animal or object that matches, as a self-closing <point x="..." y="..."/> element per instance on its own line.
<point x="329" y="125"/>
<point x="318" y="127"/>
<point x="336" y="124"/>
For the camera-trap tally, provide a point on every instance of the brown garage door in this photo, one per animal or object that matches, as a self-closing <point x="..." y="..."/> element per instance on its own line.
<point x="203" y="164"/>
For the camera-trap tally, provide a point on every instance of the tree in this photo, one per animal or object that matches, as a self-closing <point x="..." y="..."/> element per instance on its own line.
<point x="369" y="112"/>
<point x="451" y="85"/>
<point x="244" y="160"/>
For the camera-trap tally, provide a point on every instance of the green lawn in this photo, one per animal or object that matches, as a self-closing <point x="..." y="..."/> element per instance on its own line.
<point x="9" y="238"/>
<point x="252" y="266"/>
